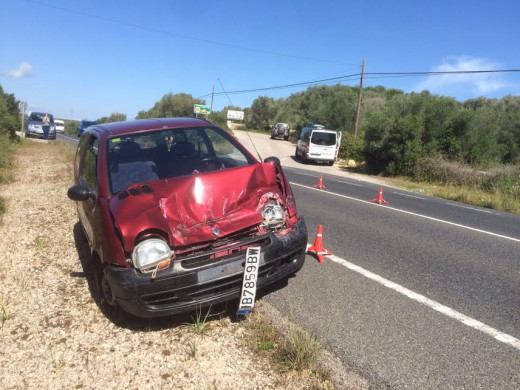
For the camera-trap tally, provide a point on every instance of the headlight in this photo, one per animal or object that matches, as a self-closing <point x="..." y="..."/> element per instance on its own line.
<point x="274" y="216"/>
<point x="150" y="253"/>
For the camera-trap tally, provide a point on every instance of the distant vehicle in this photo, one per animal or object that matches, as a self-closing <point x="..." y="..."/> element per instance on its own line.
<point x="280" y="130"/>
<point x="35" y="126"/>
<point x="83" y="125"/>
<point x="60" y="125"/>
<point x="316" y="143"/>
<point x="171" y="208"/>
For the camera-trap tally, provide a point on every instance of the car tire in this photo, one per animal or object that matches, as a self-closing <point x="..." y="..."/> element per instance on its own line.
<point x="330" y="163"/>
<point x="286" y="138"/>
<point x="105" y="299"/>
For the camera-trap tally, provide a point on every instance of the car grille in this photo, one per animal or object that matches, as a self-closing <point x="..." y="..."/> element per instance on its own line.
<point x="226" y="250"/>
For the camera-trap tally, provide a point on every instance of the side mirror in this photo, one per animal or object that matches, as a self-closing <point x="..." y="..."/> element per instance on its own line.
<point x="78" y="193"/>
<point x="273" y="160"/>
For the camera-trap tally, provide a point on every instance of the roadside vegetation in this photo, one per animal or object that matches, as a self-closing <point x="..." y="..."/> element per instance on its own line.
<point x="10" y="122"/>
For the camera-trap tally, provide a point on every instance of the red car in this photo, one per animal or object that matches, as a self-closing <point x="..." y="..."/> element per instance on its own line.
<point x="170" y="207"/>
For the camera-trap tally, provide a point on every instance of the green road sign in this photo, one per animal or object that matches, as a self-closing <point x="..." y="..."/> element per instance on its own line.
<point x="201" y="109"/>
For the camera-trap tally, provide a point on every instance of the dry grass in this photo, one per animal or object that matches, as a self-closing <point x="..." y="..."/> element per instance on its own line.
<point x="292" y="349"/>
<point x="497" y="188"/>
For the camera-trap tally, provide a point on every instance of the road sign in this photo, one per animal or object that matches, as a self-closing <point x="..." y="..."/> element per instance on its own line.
<point x="236" y="115"/>
<point x="201" y="109"/>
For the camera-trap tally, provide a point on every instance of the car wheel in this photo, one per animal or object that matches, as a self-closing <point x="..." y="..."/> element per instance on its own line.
<point x="105" y="297"/>
<point x="330" y="163"/>
<point x="286" y="138"/>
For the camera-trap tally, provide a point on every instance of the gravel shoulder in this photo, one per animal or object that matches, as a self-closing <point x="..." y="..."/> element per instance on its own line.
<point x="55" y="337"/>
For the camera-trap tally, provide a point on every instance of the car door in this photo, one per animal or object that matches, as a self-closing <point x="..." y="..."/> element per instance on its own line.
<point x="87" y="175"/>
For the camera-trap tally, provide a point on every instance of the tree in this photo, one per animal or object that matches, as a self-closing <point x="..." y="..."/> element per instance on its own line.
<point x="114" y="117"/>
<point x="10" y="120"/>
<point x="171" y="105"/>
<point x="263" y="113"/>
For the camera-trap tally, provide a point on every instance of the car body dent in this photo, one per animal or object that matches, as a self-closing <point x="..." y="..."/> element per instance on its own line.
<point x="188" y="208"/>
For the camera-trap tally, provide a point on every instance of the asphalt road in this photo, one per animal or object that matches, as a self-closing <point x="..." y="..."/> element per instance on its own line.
<point x="424" y="293"/>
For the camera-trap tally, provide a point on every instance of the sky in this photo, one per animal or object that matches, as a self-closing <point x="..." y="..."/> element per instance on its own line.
<point x="88" y="59"/>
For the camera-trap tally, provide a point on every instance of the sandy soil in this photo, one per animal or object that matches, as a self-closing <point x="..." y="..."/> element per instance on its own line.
<point x="53" y="335"/>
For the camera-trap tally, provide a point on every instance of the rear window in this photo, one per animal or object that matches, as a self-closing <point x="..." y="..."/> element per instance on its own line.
<point x="323" y="139"/>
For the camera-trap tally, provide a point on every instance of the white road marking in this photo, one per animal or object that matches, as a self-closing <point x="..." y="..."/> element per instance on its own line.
<point x="468" y="321"/>
<point x="410" y="196"/>
<point x="352" y="184"/>
<point x="339" y="181"/>
<point x="469" y="208"/>
<point x="410" y="213"/>
<point x="304" y="174"/>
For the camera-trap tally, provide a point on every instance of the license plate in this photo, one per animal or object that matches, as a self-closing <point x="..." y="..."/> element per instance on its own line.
<point x="249" y="283"/>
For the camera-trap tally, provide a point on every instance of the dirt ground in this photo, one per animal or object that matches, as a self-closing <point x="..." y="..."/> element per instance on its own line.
<point x="54" y="336"/>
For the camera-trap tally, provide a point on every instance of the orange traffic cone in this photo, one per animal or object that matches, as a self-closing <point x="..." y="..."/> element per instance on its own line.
<point x="379" y="198"/>
<point x="320" y="184"/>
<point x="317" y="248"/>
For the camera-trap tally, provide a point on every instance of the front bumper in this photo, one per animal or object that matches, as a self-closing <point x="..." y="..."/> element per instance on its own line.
<point x="196" y="281"/>
<point x="39" y="133"/>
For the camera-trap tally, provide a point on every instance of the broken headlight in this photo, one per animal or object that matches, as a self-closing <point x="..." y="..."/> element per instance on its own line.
<point x="150" y="253"/>
<point x="274" y="216"/>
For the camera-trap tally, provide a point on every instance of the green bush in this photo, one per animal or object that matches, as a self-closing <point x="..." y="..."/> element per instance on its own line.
<point x="351" y="147"/>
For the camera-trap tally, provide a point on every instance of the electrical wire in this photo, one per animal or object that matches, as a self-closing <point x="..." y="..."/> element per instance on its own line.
<point x="188" y="37"/>
<point x="368" y="75"/>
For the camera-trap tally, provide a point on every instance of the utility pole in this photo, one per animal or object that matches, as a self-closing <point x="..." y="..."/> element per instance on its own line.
<point x="23" y="108"/>
<point x="359" y="99"/>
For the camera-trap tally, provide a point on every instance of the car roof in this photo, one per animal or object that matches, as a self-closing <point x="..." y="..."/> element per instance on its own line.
<point x="134" y="126"/>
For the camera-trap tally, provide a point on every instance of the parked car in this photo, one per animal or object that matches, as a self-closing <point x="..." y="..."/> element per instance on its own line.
<point x="60" y="125"/>
<point x="35" y="126"/>
<point x="170" y="206"/>
<point x="280" y="130"/>
<point x="316" y="143"/>
<point x="83" y="125"/>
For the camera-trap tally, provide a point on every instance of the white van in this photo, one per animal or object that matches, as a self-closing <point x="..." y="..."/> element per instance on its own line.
<point x="318" y="144"/>
<point x="60" y="125"/>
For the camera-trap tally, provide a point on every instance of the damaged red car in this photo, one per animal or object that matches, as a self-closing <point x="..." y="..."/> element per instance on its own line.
<point x="169" y="208"/>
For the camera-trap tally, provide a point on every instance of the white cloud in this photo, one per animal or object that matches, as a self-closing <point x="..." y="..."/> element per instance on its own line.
<point x="24" y="70"/>
<point x="475" y="83"/>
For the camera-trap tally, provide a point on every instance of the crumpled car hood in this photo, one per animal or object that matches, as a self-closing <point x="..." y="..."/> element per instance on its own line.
<point x="196" y="208"/>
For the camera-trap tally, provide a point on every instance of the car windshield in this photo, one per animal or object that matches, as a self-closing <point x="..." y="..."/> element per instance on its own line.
<point x="89" y="123"/>
<point x="142" y="157"/>
<point x="323" y="139"/>
<point x="38" y="117"/>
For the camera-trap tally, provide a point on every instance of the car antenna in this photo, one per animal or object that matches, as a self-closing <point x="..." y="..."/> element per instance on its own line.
<point x="252" y="143"/>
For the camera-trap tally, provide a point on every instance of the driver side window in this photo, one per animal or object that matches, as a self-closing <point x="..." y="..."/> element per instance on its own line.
<point x="89" y="173"/>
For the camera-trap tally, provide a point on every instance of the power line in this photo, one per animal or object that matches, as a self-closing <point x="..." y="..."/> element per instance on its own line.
<point x="371" y="75"/>
<point x="322" y="81"/>
<point x="188" y="37"/>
